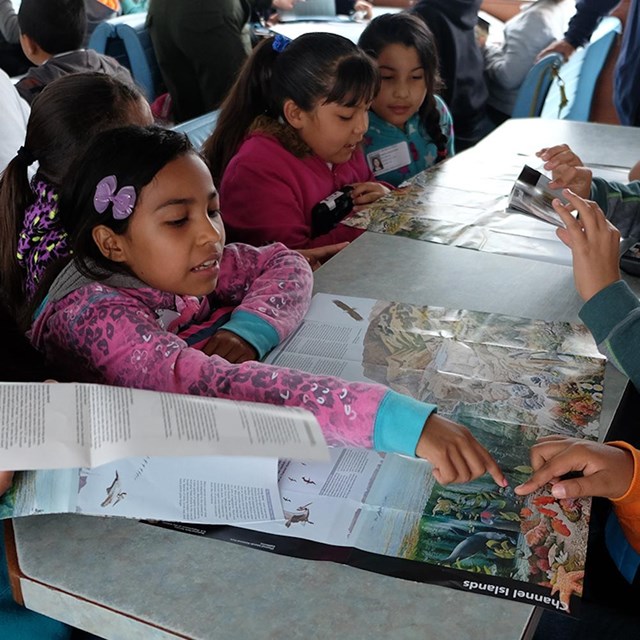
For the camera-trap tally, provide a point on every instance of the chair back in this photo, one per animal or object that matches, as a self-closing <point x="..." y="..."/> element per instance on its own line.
<point x="127" y="39"/>
<point x="535" y="87"/>
<point x="200" y="128"/>
<point x="571" y="95"/>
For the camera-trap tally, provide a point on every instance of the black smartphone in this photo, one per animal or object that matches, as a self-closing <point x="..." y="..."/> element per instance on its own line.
<point x="328" y="212"/>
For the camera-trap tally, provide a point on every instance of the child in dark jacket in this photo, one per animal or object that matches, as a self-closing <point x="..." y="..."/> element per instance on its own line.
<point x="52" y="33"/>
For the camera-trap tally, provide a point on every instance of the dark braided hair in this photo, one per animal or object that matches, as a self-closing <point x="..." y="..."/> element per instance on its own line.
<point x="409" y="30"/>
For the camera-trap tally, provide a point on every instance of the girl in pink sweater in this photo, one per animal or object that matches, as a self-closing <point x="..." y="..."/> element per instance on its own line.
<point x="149" y="263"/>
<point x="289" y="136"/>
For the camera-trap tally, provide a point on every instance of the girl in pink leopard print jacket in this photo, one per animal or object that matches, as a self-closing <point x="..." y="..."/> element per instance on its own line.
<point x="149" y="265"/>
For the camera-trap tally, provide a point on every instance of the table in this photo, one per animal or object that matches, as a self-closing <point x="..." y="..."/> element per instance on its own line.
<point x="350" y="29"/>
<point x="464" y="201"/>
<point x="596" y="144"/>
<point x="123" y="579"/>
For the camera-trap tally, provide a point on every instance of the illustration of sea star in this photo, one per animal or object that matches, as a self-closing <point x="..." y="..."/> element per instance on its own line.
<point x="567" y="583"/>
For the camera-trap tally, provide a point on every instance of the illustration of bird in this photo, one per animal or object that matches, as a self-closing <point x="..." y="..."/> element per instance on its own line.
<point x="301" y="515"/>
<point x="308" y="480"/>
<point x="114" y="495"/>
<point x="292" y="479"/>
<point x="286" y="499"/>
<point x="350" y="310"/>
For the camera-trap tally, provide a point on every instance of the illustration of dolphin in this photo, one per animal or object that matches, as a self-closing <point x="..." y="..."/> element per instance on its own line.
<point x="474" y="544"/>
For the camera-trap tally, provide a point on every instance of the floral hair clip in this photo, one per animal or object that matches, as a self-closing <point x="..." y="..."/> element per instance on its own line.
<point x="123" y="202"/>
<point x="280" y="43"/>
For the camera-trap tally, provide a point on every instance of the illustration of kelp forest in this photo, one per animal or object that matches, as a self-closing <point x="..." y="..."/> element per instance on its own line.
<point x="479" y="365"/>
<point x="510" y="380"/>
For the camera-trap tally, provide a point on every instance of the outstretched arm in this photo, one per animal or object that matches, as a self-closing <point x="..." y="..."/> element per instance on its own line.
<point x="603" y="470"/>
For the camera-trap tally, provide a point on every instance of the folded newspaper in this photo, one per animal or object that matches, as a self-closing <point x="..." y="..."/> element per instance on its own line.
<point x="104" y="450"/>
<point x="532" y="195"/>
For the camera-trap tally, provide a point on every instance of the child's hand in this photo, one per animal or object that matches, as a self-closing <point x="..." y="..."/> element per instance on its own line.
<point x="594" y="244"/>
<point x="319" y="255"/>
<point x="284" y="5"/>
<point x="365" y="193"/>
<point x="6" y="478"/>
<point x="455" y="454"/>
<point x="230" y="346"/>
<point x="606" y="471"/>
<point x="365" y="7"/>
<point x="566" y="168"/>
<point x="562" y="47"/>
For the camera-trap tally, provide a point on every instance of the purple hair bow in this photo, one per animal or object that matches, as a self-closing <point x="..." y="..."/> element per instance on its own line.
<point x="123" y="202"/>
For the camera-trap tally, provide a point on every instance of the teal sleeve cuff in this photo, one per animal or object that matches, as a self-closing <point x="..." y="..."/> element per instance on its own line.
<point x="399" y="423"/>
<point x="607" y="309"/>
<point x="599" y="192"/>
<point x="256" y="331"/>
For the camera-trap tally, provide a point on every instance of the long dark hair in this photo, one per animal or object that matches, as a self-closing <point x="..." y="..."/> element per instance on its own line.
<point x="64" y="116"/>
<point x="314" y="68"/>
<point x="133" y="155"/>
<point x="410" y="31"/>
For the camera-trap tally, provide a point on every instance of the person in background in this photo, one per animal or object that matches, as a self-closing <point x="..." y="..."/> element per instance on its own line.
<point x="52" y="33"/>
<point x="12" y="59"/>
<point x="409" y="124"/>
<point x="626" y="90"/>
<point x="149" y="260"/>
<point x="200" y="47"/>
<point x="65" y="116"/>
<point x="304" y="8"/>
<point x="14" y="112"/>
<point x="98" y="11"/>
<point x="506" y="65"/>
<point x="453" y="24"/>
<point x="288" y="137"/>
<point x="134" y="6"/>
<point x="619" y="201"/>
<point x="612" y="313"/>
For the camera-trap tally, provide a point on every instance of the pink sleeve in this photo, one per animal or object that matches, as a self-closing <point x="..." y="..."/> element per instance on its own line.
<point x="116" y="340"/>
<point x="271" y="282"/>
<point x="259" y="206"/>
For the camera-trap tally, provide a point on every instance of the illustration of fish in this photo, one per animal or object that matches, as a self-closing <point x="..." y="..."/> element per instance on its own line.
<point x="350" y="310"/>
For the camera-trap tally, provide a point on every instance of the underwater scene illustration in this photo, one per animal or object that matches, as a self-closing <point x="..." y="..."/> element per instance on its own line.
<point x="510" y="380"/>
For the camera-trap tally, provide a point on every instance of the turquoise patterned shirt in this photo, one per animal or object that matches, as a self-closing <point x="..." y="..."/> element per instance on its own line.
<point x="394" y="155"/>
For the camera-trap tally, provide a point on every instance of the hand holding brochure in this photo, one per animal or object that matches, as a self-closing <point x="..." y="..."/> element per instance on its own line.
<point x="531" y="195"/>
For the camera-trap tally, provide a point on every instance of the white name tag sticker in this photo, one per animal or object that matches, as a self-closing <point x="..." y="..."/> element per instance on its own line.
<point x="389" y="158"/>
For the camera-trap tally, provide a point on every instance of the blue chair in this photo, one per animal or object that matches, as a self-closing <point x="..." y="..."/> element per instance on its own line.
<point x="535" y="87"/>
<point x="200" y="128"/>
<point x="570" y="97"/>
<point x="127" y="40"/>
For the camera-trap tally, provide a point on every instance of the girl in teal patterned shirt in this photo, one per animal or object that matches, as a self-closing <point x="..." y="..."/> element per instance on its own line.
<point x="410" y="127"/>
